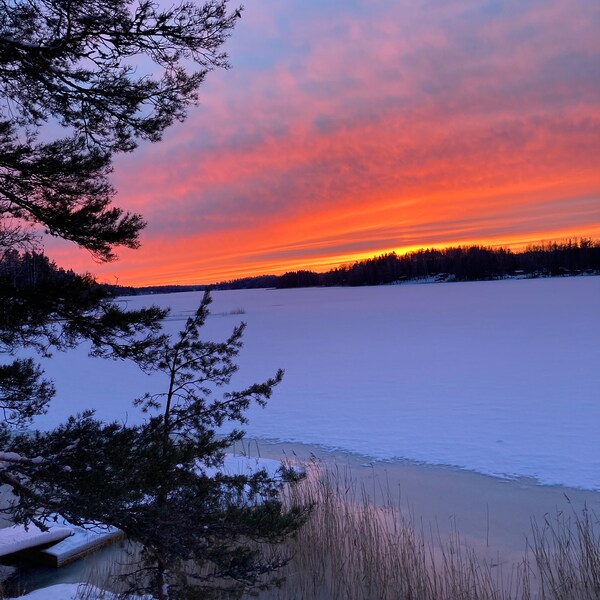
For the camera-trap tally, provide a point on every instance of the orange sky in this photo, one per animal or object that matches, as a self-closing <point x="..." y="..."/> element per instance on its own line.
<point x="358" y="128"/>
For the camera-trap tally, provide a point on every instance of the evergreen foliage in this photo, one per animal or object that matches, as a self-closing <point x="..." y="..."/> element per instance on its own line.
<point x="80" y="81"/>
<point x="196" y="533"/>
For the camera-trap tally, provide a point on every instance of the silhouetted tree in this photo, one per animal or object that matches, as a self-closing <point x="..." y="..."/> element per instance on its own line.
<point x="80" y="81"/>
<point x="196" y="532"/>
<point x="461" y="263"/>
<point x="71" y="95"/>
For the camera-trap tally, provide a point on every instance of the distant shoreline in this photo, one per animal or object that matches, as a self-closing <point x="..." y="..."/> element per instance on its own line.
<point x="428" y="265"/>
<point x="176" y="289"/>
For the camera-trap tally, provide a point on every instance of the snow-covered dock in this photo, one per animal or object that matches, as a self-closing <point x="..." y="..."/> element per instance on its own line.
<point x="65" y="542"/>
<point x="58" y="546"/>
<point x="18" y="538"/>
<point x="80" y="543"/>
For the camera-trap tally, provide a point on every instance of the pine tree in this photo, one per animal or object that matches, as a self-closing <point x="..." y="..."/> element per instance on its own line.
<point x="75" y="89"/>
<point x="71" y="96"/>
<point x="196" y="533"/>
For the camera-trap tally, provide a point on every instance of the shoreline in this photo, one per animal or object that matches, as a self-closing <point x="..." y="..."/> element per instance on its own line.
<point x="487" y="515"/>
<point x="490" y="515"/>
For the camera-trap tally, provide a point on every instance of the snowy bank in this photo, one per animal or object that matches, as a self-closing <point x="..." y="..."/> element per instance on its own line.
<point x="73" y="591"/>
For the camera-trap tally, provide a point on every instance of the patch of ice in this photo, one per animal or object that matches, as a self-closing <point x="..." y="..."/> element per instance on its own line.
<point x="244" y="465"/>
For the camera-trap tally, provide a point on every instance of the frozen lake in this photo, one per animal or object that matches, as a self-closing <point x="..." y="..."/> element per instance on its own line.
<point x="497" y="377"/>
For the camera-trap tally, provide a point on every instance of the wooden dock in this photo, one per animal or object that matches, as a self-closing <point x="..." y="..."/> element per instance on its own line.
<point x="59" y="545"/>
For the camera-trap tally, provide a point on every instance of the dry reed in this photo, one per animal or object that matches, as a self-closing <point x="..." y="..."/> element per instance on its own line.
<point x="352" y="549"/>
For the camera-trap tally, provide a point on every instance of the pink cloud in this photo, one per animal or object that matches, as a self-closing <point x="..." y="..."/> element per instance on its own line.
<point x="369" y="126"/>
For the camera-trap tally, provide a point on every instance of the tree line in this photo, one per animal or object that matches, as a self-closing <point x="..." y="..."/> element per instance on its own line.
<point x="460" y="263"/>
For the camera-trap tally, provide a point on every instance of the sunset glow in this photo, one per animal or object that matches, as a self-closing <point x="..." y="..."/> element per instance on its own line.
<point x="360" y="127"/>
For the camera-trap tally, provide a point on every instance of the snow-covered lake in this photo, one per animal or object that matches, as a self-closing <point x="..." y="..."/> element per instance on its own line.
<point x="498" y="377"/>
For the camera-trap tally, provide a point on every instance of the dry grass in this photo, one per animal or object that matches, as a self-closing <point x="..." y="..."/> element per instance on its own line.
<point x="566" y="556"/>
<point x="351" y="549"/>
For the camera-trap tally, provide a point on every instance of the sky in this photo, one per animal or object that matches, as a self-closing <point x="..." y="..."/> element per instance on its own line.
<point x="350" y="128"/>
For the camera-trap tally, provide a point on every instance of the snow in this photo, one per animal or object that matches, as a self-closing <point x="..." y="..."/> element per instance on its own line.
<point x="71" y="540"/>
<point x="8" y="458"/>
<point x="66" y="591"/>
<point x="71" y="591"/>
<point x="497" y="377"/>
<point x="17" y="537"/>
<point x="81" y="540"/>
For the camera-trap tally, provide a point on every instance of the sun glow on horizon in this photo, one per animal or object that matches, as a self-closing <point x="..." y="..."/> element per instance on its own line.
<point x="376" y="129"/>
<point x="184" y="274"/>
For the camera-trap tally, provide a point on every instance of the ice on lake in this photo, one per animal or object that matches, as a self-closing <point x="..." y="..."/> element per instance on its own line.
<point x="499" y="377"/>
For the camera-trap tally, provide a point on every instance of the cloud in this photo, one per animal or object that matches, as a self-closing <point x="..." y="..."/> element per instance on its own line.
<point x="349" y="128"/>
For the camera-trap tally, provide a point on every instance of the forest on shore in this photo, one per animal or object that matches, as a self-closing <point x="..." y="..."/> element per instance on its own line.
<point x="458" y="263"/>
